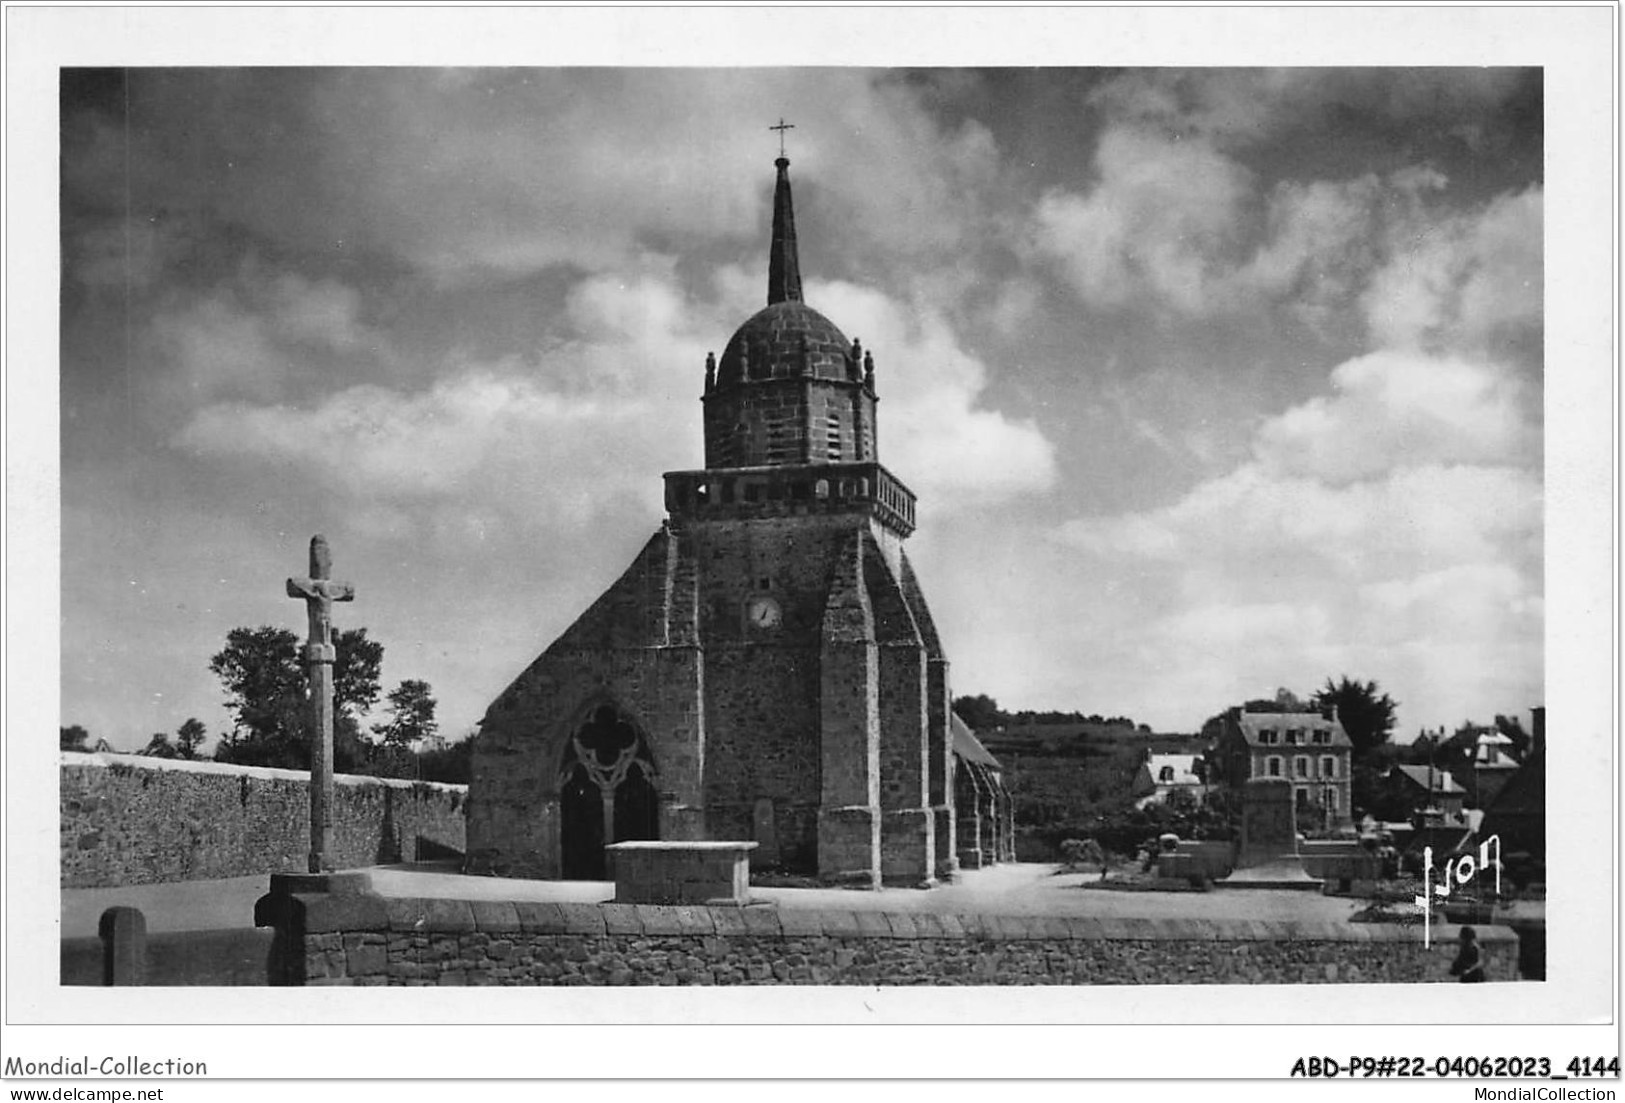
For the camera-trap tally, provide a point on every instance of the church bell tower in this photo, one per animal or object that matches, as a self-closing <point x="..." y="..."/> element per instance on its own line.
<point x="769" y="657"/>
<point x="805" y="528"/>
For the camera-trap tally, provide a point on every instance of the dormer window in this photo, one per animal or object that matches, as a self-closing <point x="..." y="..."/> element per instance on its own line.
<point x="1166" y="774"/>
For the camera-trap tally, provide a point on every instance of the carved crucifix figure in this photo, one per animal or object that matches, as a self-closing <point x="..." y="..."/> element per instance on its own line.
<point x="319" y="592"/>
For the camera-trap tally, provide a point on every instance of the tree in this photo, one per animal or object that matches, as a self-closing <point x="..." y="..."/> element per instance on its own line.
<point x="159" y="746"/>
<point x="980" y="713"/>
<point x="454" y="764"/>
<point x="75" y="738"/>
<point x="267" y="689"/>
<point x="1283" y="701"/>
<point x="411" y="716"/>
<point x="189" y="738"/>
<point x="1367" y="716"/>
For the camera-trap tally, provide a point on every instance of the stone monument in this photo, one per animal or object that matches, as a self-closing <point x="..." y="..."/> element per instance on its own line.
<point x="319" y="592"/>
<point x="1268" y="857"/>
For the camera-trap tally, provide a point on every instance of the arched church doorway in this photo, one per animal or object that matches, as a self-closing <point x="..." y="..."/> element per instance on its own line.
<point x="637" y="807"/>
<point x="606" y="792"/>
<point x="581" y="807"/>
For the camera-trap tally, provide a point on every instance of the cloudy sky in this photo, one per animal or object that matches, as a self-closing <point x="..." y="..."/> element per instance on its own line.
<point x="1209" y="381"/>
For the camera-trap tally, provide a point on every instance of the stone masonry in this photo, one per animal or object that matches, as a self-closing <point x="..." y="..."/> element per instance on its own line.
<point x="768" y="661"/>
<point x="128" y="820"/>
<point x="370" y="940"/>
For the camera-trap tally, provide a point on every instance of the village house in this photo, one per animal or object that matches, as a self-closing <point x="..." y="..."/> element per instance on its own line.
<point x="1308" y="749"/>
<point x="1162" y="775"/>
<point x="1517" y="814"/>
<point x="1430" y="791"/>
<point x="1488" y="769"/>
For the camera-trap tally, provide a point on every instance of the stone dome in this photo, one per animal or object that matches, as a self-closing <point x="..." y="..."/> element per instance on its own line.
<point x="786" y="340"/>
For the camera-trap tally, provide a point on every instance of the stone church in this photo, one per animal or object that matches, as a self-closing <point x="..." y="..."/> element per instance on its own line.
<point x="767" y="668"/>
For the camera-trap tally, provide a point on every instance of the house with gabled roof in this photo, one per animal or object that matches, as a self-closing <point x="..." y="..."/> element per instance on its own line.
<point x="1311" y="750"/>
<point x="1430" y="790"/>
<point x="1162" y="775"/>
<point x="1517" y="815"/>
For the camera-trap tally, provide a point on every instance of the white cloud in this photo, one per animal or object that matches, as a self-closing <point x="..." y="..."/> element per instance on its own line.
<point x="1400" y="516"/>
<point x="325" y="313"/>
<point x="1393" y="409"/>
<point x="513" y="171"/>
<point x="933" y="433"/>
<point x="256" y="335"/>
<point x="1175" y="222"/>
<point x="592" y="419"/>
<point x="1248" y="107"/>
<point x="212" y="347"/>
<point x="1463" y="281"/>
<point x="1160" y="222"/>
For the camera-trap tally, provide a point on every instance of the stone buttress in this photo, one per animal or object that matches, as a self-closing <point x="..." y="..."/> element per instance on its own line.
<point x="767" y="669"/>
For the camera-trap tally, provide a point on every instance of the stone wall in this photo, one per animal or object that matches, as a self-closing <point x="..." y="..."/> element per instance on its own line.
<point x="370" y="940"/>
<point x="128" y="820"/>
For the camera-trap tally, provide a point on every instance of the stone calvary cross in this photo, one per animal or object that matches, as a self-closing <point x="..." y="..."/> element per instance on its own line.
<point x="319" y="592"/>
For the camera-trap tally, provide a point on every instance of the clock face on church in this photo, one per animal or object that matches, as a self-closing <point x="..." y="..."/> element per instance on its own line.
<point x="763" y="612"/>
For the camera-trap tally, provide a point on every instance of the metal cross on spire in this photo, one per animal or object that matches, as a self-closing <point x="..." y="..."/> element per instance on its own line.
<point x="781" y="128"/>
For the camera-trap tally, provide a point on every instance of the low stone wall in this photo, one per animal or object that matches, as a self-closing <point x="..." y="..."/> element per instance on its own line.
<point x="128" y="820"/>
<point x="212" y="959"/>
<point x="362" y="939"/>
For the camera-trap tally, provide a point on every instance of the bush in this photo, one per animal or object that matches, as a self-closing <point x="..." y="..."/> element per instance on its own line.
<point x="1079" y="854"/>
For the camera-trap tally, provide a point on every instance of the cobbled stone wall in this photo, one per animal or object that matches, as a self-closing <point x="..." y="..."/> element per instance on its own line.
<point x="127" y="820"/>
<point x="369" y="940"/>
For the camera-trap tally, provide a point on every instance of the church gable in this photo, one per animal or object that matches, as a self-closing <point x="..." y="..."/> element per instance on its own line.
<point x="636" y="611"/>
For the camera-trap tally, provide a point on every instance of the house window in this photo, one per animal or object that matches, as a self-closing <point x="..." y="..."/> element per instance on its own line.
<point x="1273" y="767"/>
<point x="1328" y="797"/>
<point x="1292" y="735"/>
<point x="1266" y="736"/>
<point x="1322" y="735"/>
<point x="1328" y="766"/>
<point x="1166" y="774"/>
<point x="1301" y="765"/>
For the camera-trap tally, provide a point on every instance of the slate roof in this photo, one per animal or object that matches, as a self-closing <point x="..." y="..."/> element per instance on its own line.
<point x="1184" y="769"/>
<point x="1251" y="723"/>
<point x="1442" y="782"/>
<point x="967" y="746"/>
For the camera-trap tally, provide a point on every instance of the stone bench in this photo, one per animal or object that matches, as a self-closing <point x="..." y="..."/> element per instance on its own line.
<point x="678" y="872"/>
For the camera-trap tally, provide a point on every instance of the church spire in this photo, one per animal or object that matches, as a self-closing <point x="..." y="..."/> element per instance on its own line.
<point x="783" y="268"/>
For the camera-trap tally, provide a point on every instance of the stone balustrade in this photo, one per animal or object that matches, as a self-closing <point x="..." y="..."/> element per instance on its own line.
<point x="796" y="490"/>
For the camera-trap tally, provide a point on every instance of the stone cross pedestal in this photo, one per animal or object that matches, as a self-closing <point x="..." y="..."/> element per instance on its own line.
<point x="319" y="592"/>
